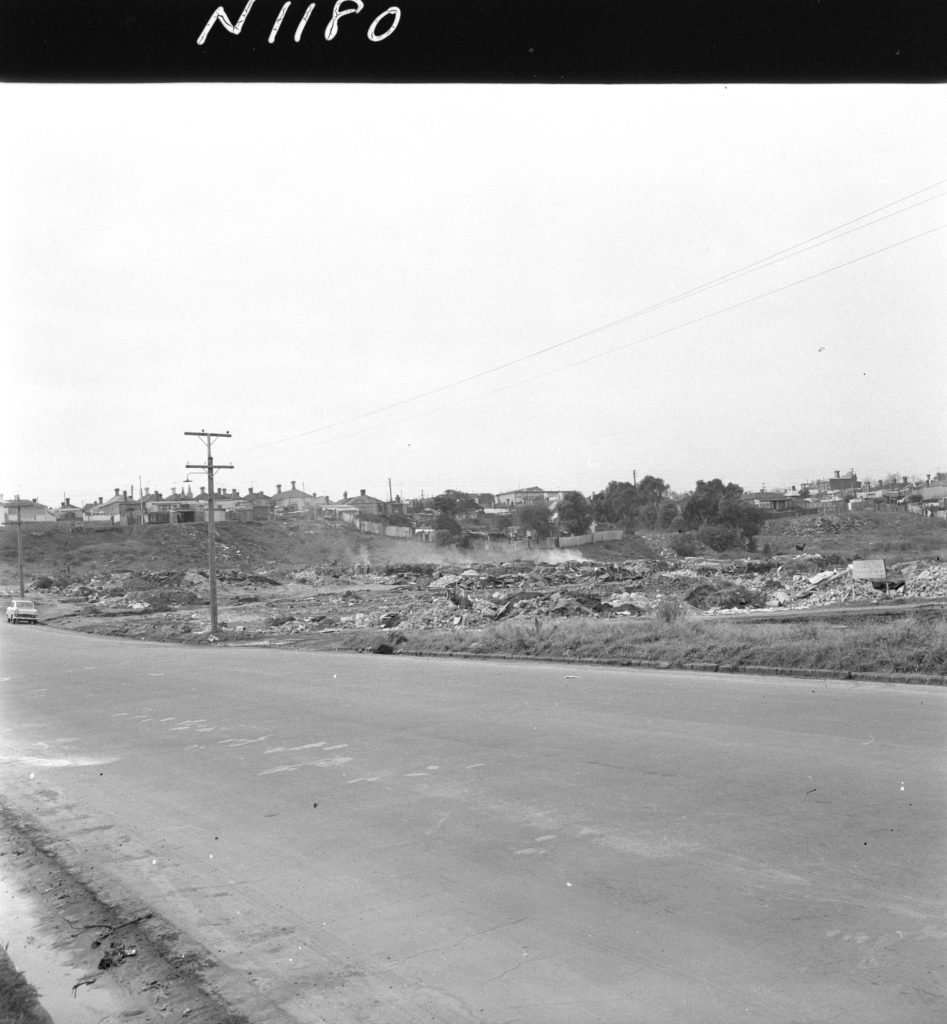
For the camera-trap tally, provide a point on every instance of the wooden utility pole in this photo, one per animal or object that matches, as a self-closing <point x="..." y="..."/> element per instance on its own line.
<point x="19" y="537"/>
<point x="19" y="546"/>
<point x="209" y="438"/>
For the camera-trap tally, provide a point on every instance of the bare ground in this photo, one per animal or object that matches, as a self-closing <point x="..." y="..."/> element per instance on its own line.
<point x="149" y="974"/>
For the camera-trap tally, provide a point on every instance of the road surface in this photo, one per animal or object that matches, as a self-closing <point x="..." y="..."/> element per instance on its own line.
<point x="394" y="840"/>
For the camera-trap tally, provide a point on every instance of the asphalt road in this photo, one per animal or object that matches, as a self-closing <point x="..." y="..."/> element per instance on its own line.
<point x="394" y="840"/>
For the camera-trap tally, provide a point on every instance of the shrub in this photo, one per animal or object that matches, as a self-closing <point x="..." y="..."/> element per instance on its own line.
<point x="671" y="609"/>
<point x="685" y="544"/>
<point x="719" y="538"/>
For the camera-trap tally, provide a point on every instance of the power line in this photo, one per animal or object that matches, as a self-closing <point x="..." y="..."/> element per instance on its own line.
<point x="631" y="344"/>
<point x="813" y="242"/>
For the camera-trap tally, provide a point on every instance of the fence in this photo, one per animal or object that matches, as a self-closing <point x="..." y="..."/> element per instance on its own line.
<point x="569" y="542"/>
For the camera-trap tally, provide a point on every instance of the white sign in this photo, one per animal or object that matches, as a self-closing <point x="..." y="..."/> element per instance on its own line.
<point x="870" y="569"/>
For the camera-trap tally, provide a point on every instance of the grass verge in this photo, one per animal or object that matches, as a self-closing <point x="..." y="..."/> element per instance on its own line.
<point x="915" y="644"/>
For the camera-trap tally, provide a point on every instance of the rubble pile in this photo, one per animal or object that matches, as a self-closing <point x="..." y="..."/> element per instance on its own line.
<point x="325" y="598"/>
<point x="925" y="581"/>
<point x="814" y="526"/>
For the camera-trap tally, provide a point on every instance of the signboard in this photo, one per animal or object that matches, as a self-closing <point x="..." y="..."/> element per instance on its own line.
<point x="871" y="569"/>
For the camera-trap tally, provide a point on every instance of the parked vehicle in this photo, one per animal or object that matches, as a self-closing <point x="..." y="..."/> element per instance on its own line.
<point x="21" y="610"/>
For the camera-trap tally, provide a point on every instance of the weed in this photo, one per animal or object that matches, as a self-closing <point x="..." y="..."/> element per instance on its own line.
<point x="671" y="609"/>
<point x="914" y="644"/>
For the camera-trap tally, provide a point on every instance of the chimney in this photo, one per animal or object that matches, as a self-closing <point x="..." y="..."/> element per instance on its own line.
<point x="233" y="491"/>
<point x="279" y="488"/>
<point x="100" y="501"/>
<point x="292" y="485"/>
<point x="125" y="495"/>
<point x="838" y="473"/>
<point x="116" y="492"/>
<point x="362" y="492"/>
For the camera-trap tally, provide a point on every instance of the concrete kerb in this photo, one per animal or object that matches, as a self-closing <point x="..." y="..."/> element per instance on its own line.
<point x="701" y="666"/>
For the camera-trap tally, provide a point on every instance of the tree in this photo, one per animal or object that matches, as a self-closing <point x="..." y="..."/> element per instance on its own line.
<point x="448" y="524"/>
<point x="535" y="517"/>
<point x="575" y="513"/>
<point x="652" y="502"/>
<point x="651" y="489"/>
<point x="629" y="504"/>
<point x="445" y="503"/>
<point x="618" y="503"/>
<point x="455" y="502"/>
<point x="665" y="514"/>
<point x="714" y="503"/>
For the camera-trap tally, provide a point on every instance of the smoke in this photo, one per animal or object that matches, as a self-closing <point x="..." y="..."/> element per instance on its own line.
<point x="407" y="552"/>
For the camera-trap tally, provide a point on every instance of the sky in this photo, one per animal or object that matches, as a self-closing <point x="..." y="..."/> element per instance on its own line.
<point x="478" y="287"/>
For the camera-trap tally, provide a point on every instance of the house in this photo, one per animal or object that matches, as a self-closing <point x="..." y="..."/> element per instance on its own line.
<point x="528" y="496"/>
<point x="836" y="486"/>
<point x="366" y="504"/>
<point x="117" y="510"/>
<point x="67" y="512"/>
<point x="177" y="507"/>
<point x="25" y="511"/>
<point x="261" y="505"/>
<point x="770" y="501"/>
<point x="293" y="500"/>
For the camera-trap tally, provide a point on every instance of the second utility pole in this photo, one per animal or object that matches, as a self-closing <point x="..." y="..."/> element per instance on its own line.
<point x="211" y="552"/>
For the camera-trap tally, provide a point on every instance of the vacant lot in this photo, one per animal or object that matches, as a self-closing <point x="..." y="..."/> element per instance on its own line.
<point x="792" y="605"/>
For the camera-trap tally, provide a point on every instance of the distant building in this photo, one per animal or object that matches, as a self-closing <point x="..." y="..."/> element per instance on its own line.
<point x="834" y="486"/>
<point x="365" y="503"/>
<point x="293" y="500"/>
<point x="527" y="496"/>
<point x="177" y="507"/>
<point x="25" y="510"/>
<point x="261" y="505"/>
<point x="770" y="501"/>
<point x="67" y="512"/>
<point x="119" y="509"/>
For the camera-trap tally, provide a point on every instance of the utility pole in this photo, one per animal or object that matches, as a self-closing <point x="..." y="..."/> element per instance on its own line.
<point x="19" y="546"/>
<point x="209" y="438"/>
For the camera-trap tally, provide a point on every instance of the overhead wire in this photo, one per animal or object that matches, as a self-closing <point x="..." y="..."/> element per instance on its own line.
<point x="630" y="344"/>
<point x="815" y="241"/>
